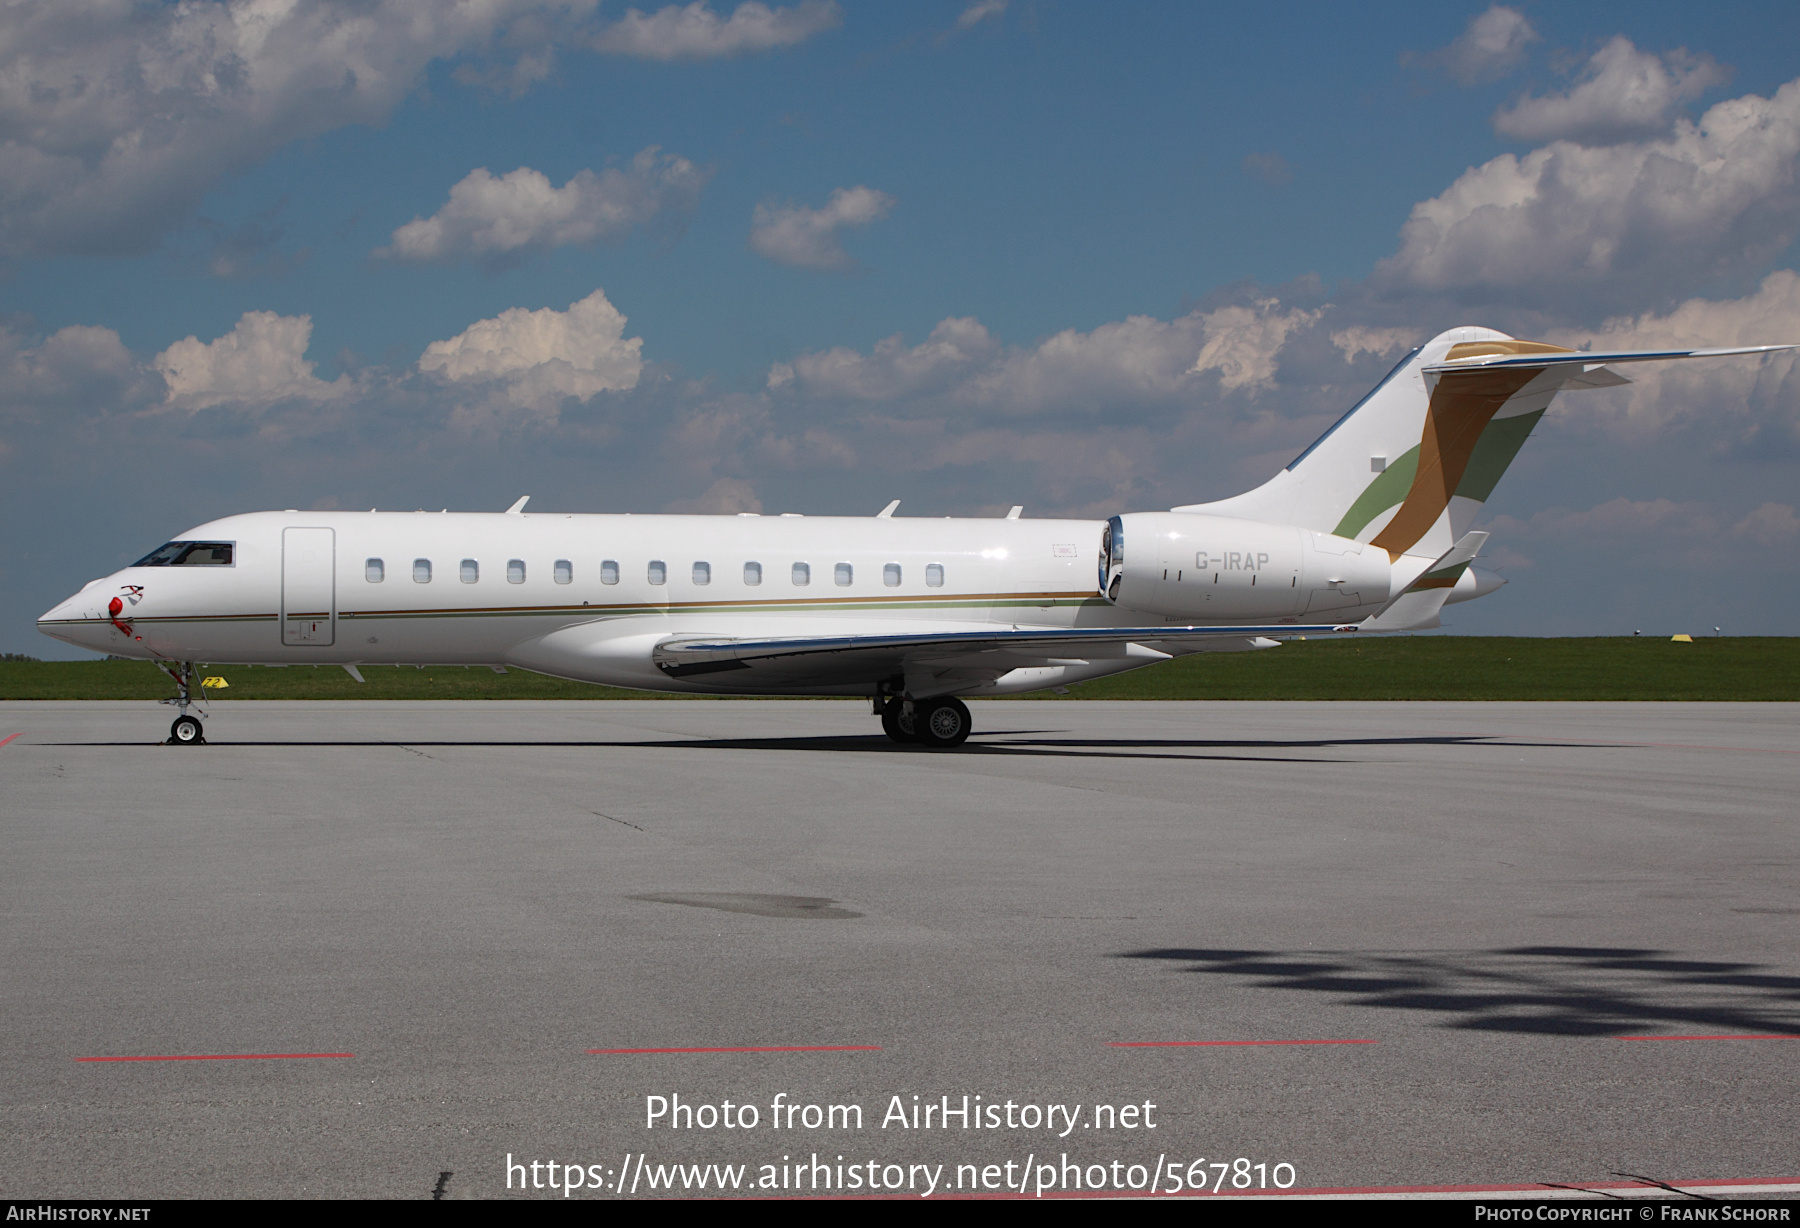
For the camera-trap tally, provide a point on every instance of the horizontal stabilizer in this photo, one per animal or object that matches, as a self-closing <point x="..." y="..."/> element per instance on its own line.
<point x="1488" y="362"/>
<point x="1419" y="603"/>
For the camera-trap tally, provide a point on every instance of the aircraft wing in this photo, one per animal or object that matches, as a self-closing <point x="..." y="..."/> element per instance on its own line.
<point x="688" y="656"/>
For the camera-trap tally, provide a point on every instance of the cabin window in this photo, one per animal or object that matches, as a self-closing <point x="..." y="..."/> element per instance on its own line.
<point x="373" y="571"/>
<point x="609" y="571"/>
<point x="188" y="554"/>
<point x="934" y="575"/>
<point x="469" y="572"/>
<point x="421" y="571"/>
<point x="515" y="571"/>
<point x="752" y="574"/>
<point x="890" y="575"/>
<point x="842" y="575"/>
<point x="702" y="573"/>
<point x="659" y="572"/>
<point x="802" y="574"/>
<point x="563" y="572"/>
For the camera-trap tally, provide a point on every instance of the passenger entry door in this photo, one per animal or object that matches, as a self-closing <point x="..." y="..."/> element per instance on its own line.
<point x="308" y="587"/>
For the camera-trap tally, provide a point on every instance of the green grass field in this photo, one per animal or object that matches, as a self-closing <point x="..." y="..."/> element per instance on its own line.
<point x="1400" y="667"/>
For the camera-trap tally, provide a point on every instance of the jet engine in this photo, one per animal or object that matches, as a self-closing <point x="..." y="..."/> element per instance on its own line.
<point x="1217" y="568"/>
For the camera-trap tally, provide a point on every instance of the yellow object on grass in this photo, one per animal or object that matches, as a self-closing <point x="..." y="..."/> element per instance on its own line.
<point x="214" y="683"/>
<point x="1683" y="638"/>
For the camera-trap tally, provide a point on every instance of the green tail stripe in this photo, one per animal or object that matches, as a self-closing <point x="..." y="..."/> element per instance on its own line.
<point x="1384" y="492"/>
<point x="1494" y="451"/>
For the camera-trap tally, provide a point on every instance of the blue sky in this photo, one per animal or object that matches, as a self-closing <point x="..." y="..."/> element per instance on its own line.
<point x="963" y="254"/>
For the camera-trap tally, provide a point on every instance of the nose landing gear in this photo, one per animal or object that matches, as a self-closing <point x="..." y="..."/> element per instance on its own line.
<point x="186" y="730"/>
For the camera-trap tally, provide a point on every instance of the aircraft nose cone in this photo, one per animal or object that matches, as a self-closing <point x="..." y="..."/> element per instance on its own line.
<point x="80" y="619"/>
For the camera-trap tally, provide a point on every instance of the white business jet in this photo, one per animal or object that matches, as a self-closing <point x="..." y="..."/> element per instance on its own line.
<point x="1367" y="530"/>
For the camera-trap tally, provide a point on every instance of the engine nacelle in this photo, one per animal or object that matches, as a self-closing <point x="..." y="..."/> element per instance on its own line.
<point x="1212" y="568"/>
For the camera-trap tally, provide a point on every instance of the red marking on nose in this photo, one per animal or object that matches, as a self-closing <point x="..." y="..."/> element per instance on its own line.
<point x="9" y="737"/>
<point x="114" y="606"/>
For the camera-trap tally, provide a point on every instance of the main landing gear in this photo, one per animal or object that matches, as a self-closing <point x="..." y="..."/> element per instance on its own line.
<point x="186" y="730"/>
<point x="936" y="724"/>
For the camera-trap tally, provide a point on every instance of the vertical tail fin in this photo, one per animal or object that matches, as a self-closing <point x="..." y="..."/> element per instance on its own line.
<point x="1411" y="464"/>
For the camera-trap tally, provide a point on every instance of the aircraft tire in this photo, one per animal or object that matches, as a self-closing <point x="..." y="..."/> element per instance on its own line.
<point x="942" y="724"/>
<point x="897" y="725"/>
<point x="186" y="732"/>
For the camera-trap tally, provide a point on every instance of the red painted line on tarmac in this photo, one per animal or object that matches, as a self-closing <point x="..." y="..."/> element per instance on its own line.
<point x="10" y="737"/>
<point x="1186" y="1044"/>
<point x="212" y="1057"/>
<point x="1733" y="1036"/>
<point x="756" y="1049"/>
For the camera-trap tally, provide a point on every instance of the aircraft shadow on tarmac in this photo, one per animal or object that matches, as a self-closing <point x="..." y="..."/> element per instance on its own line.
<point x="1010" y="743"/>
<point x="1566" y="991"/>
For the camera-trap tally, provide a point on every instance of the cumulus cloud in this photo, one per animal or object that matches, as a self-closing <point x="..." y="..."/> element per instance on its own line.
<point x="1139" y="360"/>
<point x="1242" y="342"/>
<point x="1362" y="339"/>
<point x="536" y="359"/>
<point x="1617" y="223"/>
<point x="695" y="32"/>
<point x="498" y="220"/>
<point x="724" y="497"/>
<point x="1752" y="403"/>
<point x="805" y="238"/>
<point x="78" y="367"/>
<point x="258" y="363"/>
<point x="117" y="117"/>
<point x="1490" y="48"/>
<point x="1624" y="94"/>
<point x="955" y="348"/>
<point x="1772" y="524"/>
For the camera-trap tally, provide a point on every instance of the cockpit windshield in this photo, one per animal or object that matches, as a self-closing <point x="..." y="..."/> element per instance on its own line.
<point x="189" y="554"/>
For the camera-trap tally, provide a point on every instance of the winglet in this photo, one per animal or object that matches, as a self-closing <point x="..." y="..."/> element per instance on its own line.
<point x="887" y="513"/>
<point x="518" y="509"/>
<point x="1418" y="605"/>
<point x="1018" y="510"/>
<point x="355" y="673"/>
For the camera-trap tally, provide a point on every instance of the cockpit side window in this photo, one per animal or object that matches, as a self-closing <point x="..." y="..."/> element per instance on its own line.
<point x="189" y="554"/>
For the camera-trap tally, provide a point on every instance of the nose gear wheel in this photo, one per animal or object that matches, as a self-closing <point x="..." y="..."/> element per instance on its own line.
<point x="186" y="730"/>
